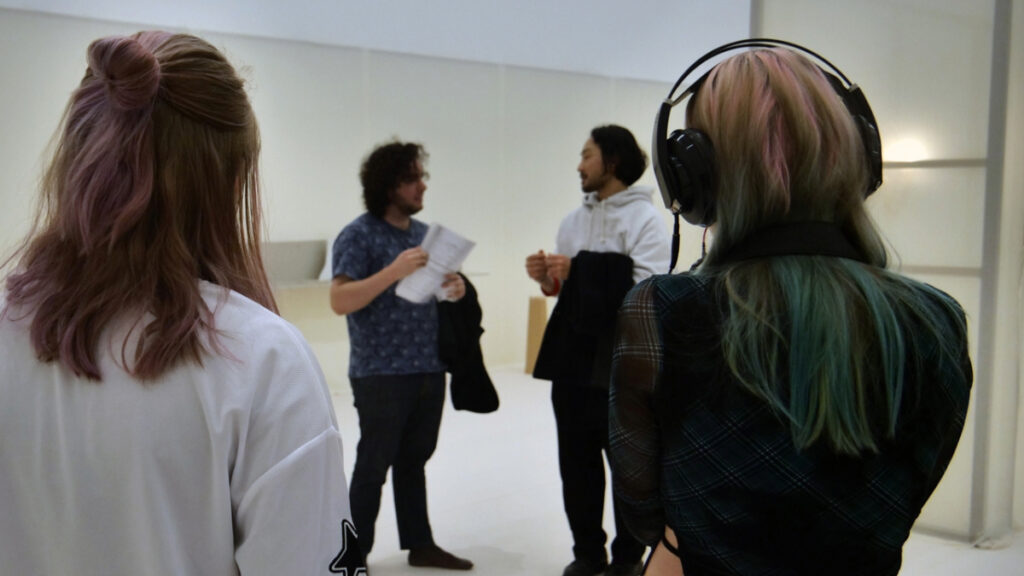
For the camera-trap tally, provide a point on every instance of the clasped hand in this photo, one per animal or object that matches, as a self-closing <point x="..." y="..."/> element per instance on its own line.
<point x="545" y="268"/>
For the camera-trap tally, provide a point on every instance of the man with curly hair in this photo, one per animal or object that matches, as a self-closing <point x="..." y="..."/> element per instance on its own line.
<point x="397" y="376"/>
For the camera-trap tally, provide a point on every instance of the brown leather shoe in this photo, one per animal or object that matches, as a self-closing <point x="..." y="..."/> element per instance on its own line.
<point x="435" y="557"/>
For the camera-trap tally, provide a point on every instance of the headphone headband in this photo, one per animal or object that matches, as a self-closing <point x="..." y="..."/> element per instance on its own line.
<point x="683" y="162"/>
<point x="750" y="43"/>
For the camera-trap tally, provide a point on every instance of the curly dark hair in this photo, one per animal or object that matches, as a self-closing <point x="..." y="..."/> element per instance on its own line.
<point x="387" y="166"/>
<point x="620" y="150"/>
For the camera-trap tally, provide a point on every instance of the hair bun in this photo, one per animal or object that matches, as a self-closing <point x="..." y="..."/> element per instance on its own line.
<point x="130" y="71"/>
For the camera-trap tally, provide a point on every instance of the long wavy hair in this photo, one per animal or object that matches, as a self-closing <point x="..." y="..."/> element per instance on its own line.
<point x="821" y="339"/>
<point x="153" y="185"/>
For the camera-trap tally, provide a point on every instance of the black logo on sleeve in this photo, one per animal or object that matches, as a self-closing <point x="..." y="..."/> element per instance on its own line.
<point x="349" y="561"/>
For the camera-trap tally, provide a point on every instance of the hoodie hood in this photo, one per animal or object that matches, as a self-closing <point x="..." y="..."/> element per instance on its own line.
<point x="625" y="223"/>
<point x="627" y="196"/>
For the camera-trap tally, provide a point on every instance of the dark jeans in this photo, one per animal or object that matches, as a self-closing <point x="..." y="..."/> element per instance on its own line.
<point x="581" y="416"/>
<point x="399" y="418"/>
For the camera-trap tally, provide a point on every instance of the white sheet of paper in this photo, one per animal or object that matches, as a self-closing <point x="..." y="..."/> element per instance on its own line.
<point x="447" y="251"/>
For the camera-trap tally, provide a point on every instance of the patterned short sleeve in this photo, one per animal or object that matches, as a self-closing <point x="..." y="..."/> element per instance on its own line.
<point x="350" y="255"/>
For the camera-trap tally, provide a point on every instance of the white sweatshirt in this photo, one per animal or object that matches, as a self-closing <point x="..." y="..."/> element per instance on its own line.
<point x="626" y="223"/>
<point x="231" y="467"/>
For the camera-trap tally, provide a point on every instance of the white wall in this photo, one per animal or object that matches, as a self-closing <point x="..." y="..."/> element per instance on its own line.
<point x="567" y="35"/>
<point x="1012" y="282"/>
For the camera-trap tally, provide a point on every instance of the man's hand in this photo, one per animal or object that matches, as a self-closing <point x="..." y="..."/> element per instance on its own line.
<point x="409" y="261"/>
<point x="549" y="270"/>
<point x="348" y="295"/>
<point x="454" y="287"/>
<point x="558" y="266"/>
<point x="537" y="267"/>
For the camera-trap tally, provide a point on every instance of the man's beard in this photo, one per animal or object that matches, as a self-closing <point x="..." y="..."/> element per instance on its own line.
<point x="408" y="208"/>
<point x="594" y="184"/>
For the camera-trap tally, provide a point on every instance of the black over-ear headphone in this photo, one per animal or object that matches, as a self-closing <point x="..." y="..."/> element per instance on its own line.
<point x="684" y="161"/>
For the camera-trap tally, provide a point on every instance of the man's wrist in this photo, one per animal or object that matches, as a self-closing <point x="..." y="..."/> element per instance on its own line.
<point x="551" y="287"/>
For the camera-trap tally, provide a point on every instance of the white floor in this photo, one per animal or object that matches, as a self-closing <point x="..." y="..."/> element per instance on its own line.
<point x="495" y="496"/>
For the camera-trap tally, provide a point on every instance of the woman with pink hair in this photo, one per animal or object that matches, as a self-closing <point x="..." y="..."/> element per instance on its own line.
<point x="158" y="416"/>
<point x="789" y="405"/>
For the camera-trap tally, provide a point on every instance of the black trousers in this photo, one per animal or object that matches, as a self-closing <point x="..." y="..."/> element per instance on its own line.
<point x="581" y="416"/>
<point x="399" y="419"/>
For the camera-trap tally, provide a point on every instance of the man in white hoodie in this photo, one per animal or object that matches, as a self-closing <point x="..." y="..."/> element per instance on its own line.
<point x="616" y="228"/>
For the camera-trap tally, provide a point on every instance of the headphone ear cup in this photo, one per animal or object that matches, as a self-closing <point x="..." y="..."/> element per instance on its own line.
<point x="857" y="105"/>
<point x="873" y="151"/>
<point x="691" y="160"/>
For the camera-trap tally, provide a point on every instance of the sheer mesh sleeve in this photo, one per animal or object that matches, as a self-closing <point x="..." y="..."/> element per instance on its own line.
<point x="634" y="438"/>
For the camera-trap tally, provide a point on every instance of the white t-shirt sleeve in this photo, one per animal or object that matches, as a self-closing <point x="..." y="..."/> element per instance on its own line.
<point x="296" y="518"/>
<point x="292" y="513"/>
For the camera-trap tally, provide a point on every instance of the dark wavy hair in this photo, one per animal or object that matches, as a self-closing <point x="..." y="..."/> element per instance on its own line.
<point x="387" y="166"/>
<point x="152" y="187"/>
<point x="620" y="152"/>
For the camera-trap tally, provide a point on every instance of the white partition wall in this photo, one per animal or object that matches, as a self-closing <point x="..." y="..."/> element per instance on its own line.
<point x="936" y="74"/>
<point x="1011" y="282"/>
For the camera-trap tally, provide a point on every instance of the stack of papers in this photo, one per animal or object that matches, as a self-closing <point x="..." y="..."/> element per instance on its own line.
<point x="447" y="251"/>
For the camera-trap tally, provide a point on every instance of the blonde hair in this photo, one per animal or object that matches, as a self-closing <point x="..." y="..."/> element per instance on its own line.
<point x="786" y="150"/>
<point x="823" y="340"/>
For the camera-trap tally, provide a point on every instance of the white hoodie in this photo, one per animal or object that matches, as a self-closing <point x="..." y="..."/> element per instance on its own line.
<point x="626" y="223"/>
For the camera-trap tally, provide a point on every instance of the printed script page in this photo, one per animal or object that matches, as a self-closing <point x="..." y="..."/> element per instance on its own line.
<point x="447" y="251"/>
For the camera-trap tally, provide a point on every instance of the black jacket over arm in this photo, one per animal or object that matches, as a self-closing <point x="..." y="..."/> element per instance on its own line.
<point x="577" y="344"/>
<point x="458" y="341"/>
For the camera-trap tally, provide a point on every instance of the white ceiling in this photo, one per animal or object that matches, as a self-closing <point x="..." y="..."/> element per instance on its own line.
<point x="639" y="39"/>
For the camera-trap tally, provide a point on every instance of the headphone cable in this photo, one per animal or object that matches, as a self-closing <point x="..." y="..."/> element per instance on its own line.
<point x="675" y="244"/>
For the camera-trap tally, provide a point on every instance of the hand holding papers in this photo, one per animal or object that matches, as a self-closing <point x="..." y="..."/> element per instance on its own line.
<point x="447" y="251"/>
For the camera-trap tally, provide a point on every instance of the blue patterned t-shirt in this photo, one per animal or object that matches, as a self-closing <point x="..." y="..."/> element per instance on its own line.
<point x="390" y="335"/>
